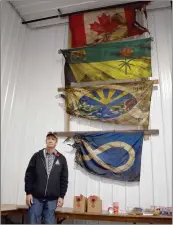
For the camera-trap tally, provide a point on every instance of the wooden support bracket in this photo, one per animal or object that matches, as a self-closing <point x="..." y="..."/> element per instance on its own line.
<point x="95" y="83"/>
<point x="72" y="133"/>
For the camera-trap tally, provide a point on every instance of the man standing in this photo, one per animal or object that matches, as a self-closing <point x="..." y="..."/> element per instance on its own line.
<point x="46" y="181"/>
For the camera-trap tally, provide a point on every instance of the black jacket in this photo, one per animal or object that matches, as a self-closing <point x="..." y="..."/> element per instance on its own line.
<point x="39" y="184"/>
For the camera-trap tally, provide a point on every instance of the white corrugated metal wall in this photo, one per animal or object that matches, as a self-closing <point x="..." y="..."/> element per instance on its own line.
<point x="13" y="36"/>
<point x="32" y="69"/>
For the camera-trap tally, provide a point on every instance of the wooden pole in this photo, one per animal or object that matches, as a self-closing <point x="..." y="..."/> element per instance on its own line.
<point x="67" y="116"/>
<point x="72" y="133"/>
<point x="109" y="82"/>
<point x="67" y="122"/>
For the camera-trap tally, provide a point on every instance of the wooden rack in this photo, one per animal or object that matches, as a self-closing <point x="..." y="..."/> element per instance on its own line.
<point x="109" y="82"/>
<point x="72" y="133"/>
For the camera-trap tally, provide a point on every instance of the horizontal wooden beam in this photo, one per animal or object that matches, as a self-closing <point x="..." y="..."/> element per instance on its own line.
<point x="72" y="133"/>
<point x="61" y="51"/>
<point x="108" y="82"/>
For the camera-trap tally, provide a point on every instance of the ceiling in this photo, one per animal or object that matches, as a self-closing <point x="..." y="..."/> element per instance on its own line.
<point x="35" y="9"/>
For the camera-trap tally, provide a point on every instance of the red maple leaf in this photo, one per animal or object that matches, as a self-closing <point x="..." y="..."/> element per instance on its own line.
<point x="105" y="24"/>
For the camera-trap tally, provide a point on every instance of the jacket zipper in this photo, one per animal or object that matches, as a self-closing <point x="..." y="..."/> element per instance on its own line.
<point x="47" y="177"/>
<point x="46" y="186"/>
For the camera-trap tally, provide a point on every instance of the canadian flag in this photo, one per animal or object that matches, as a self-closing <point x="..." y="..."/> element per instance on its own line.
<point x="106" y="25"/>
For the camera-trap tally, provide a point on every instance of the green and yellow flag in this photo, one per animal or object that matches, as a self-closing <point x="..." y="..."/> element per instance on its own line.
<point x="127" y="103"/>
<point x="110" y="61"/>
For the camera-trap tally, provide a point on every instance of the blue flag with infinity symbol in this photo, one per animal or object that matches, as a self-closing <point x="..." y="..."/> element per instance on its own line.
<point x="114" y="155"/>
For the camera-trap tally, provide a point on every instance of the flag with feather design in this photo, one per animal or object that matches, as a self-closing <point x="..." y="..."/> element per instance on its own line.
<point x="127" y="103"/>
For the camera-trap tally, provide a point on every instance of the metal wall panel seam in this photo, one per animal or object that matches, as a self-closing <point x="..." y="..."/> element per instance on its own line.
<point x="161" y="100"/>
<point x="6" y="46"/>
<point x="10" y="73"/>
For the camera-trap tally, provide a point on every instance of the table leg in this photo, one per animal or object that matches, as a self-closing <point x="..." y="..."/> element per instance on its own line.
<point x="59" y="221"/>
<point x="23" y="218"/>
<point x="7" y="220"/>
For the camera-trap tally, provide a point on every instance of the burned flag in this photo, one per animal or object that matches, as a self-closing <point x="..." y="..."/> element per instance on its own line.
<point x="111" y="155"/>
<point x="127" y="103"/>
<point x="110" y="61"/>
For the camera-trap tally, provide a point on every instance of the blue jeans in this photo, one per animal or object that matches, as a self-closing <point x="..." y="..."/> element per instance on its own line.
<point x="42" y="211"/>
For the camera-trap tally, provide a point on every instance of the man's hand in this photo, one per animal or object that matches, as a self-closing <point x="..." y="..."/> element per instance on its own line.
<point x="29" y="200"/>
<point x="60" y="202"/>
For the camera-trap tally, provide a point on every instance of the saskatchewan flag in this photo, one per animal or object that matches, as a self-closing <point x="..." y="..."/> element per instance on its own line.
<point x="109" y="61"/>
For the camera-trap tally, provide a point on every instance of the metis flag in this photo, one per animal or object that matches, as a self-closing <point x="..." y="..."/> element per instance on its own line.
<point x="111" y="155"/>
<point x="106" y="25"/>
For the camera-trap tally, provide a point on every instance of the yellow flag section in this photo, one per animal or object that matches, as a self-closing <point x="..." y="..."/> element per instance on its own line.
<point x="127" y="103"/>
<point x="110" y="70"/>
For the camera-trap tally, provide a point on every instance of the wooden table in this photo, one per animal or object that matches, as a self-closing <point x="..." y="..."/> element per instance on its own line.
<point x="67" y="213"/>
<point x="7" y="208"/>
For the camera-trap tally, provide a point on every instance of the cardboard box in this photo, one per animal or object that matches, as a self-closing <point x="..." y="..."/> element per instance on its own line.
<point x="116" y="207"/>
<point x="94" y="205"/>
<point x="79" y="204"/>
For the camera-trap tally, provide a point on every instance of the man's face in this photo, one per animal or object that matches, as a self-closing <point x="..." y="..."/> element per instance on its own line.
<point x="51" y="141"/>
